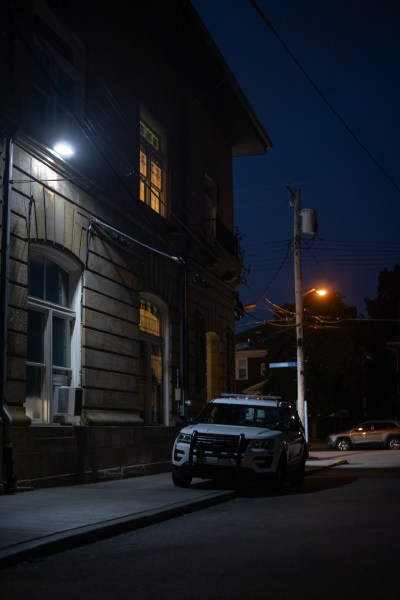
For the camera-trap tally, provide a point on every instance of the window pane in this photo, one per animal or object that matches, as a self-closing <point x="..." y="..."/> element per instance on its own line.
<point x="155" y="200"/>
<point x="36" y="271"/>
<point x="149" y="135"/>
<point x="48" y="37"/>
<point x="41" y="70"/>
<point x="143" y="175"/>
<point x="34" y="392"/>
<point x="35" y="336"/>
<point x="242" y="368"/>
<point x="156" y="363"/>
<point x="142" y="192"/>
<point x="151" y="169"/>
<point x="149" y="318"/>
<point x="66" y="88"/>
<point x="56" y="284"/>
<point x="61" y="342"/>
<point x="143" y="162"/>
<point x="156" y="173"/>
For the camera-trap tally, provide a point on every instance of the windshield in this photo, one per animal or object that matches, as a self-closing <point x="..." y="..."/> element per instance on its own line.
<point x="234" y="414"/>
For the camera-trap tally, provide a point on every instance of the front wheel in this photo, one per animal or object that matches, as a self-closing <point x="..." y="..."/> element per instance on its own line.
<point x="297" y="477"/>
<point x="343" y="444"/>
<point x="182" y="481"/>
<point x="393" y="443"/>
<point x="280" y="476"/>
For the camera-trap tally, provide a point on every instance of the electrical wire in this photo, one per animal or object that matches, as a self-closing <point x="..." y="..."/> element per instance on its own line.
<point x="265" y="19"/>
<point x="330" y="253"/>
<point x="280" y="267"/>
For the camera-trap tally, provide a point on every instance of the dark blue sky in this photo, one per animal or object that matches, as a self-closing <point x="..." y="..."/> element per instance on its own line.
<point x="350" y="49"/>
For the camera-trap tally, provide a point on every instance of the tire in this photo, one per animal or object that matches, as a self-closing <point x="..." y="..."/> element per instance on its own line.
<point x="182" y="481"/>
<point x="297" y="477"/>
<point x="280" y="477"/>
<point x="393" y="443"/>
<point x="343" y="444"/>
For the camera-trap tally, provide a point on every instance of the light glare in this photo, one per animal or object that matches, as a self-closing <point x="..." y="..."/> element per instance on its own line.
<point x="64" y="149"/>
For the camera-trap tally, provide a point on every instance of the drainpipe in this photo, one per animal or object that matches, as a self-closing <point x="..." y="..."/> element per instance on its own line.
<point x="183" y="342"/>
<point x="7" y="423"/>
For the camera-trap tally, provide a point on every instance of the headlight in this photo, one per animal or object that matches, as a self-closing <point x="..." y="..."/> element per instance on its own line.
<point x="184" y="437"/>
<point x="265" y="444"/>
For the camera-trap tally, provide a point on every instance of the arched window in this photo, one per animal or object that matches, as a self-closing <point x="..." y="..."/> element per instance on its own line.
<point x="154" y="382"/>
<point x="53" y="345"/>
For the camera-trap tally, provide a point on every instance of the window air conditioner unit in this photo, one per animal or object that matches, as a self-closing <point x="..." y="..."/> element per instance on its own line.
<point x="67" y="401"/>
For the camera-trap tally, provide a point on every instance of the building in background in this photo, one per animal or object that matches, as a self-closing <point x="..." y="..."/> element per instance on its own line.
<point x="120" y="259"/>
<point x="250" y="368"/>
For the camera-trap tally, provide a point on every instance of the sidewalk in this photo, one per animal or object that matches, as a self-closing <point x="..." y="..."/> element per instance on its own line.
<point x="49" y="520"/>
<point x="52" y="519"/>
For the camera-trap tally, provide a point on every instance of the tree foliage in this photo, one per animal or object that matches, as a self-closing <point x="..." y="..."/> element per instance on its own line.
<point x="334" y="372"/>
<point x="349" y="368"/>
<point x="334" y="375"/>
<point x="387" y="303"/>
<point x="334" y="369"/>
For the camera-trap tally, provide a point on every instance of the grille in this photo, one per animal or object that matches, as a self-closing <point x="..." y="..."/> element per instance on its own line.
<point x="225" y="446"/>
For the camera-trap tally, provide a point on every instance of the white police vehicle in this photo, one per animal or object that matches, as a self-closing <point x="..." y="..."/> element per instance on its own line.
<point x="242" y="437"/>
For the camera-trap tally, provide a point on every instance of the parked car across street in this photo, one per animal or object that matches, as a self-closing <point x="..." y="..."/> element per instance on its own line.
<point x="379" y="433"/>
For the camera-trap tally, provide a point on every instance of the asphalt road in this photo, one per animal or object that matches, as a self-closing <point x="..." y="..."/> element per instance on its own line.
<point x="338" y="537"/>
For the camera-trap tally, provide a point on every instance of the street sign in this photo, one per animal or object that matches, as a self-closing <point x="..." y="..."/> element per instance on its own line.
<point x="279" y="365"/>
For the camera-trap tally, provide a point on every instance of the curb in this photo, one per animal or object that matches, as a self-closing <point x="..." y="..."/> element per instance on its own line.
<point x="87" y="534"/>
<point x="313" y="470"/>
<point x="58" y="542"/>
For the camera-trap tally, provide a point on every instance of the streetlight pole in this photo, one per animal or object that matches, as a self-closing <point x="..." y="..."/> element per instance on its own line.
<point x="299" y="308"/>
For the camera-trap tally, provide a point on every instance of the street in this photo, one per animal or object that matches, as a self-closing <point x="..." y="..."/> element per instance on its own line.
<point x="337" y="537"/>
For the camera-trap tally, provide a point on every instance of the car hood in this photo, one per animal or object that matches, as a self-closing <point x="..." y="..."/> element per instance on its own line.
<point x="248" y="432"/>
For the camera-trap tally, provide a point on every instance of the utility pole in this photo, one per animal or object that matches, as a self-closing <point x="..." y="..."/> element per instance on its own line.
<point x="296" y="199"/>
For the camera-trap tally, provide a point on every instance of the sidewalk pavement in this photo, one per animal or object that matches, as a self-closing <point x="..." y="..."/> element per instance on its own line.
<point x="44" y="521"/>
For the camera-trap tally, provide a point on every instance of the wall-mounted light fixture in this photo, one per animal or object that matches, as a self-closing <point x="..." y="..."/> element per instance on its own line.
<point x="63" y="149"/>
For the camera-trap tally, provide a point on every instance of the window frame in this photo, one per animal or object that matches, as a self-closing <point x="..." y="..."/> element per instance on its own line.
<point x="239" y="369"/>
<point x="59" y="108"/>
<point x="50" y="373"/>
<point x="150" y="194"/>
<point x="162" y="342"/>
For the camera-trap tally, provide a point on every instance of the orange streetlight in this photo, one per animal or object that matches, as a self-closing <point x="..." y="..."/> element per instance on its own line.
<point x="320" y="292"/>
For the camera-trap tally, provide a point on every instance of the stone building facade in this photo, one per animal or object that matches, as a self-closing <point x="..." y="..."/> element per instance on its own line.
<point x="119" y="262"/>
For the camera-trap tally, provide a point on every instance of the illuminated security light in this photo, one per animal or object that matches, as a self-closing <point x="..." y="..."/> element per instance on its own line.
<point x="63" y="149"/>
<point x="320" y="292"/>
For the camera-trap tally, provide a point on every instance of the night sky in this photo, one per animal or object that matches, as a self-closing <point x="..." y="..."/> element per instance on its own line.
<point x="334" y="121"/>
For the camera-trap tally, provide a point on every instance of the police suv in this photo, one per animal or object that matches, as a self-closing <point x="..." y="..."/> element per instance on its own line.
<point x="242" y="437"/>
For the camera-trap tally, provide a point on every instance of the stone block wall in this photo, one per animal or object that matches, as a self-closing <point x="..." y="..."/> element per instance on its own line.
<point x="47" y="456"/>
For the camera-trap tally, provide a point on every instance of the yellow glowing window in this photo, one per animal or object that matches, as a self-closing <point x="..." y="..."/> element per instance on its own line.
<point x="151" y="190"/>
<point x="150" y="321"/>
<point x="149" y="135"/>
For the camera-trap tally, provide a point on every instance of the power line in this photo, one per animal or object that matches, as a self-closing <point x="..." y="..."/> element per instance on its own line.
<point x="323" y="97"/>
